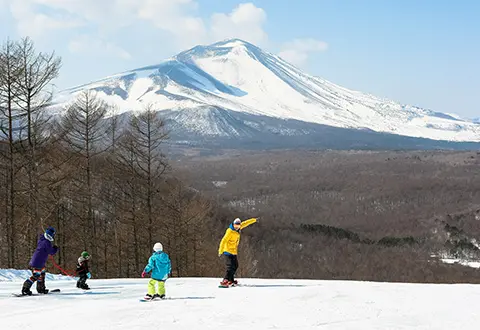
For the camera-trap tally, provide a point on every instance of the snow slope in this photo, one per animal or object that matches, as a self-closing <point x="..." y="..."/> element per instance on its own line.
<point x="237" y="76"/>
<point x="197" y="303"/>
<point x="9" y="275"/>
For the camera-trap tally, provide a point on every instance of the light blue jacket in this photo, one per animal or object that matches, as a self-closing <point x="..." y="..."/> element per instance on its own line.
<point x="160" y="266"/>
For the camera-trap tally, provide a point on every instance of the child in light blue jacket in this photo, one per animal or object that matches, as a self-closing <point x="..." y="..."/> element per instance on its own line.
<point x="161" y="267"/>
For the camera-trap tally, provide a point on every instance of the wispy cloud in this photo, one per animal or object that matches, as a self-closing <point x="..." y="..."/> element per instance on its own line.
<point x="93" y="26"/>
<point x="90" y="45"/>
<point x="35" y="23"/>
<point x="298" y="50"/>
<point x="245" y="22"/>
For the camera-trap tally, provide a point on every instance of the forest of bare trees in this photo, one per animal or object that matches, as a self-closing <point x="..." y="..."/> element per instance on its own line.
<point x="104" y="185"/>
<point x="383" y="215"/>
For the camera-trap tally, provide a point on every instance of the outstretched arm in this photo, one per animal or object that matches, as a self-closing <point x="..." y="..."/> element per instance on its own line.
<point x="247" y="223"/>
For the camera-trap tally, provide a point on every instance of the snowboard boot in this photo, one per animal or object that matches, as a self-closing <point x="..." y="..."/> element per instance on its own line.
<point x="158" y="296"/>
<point x="26" y="288"/>
<point x="148" y="297"/>
<point x="224" y="283"/>
<point x="82" y="283"/>
<point x="84" y="286"/>
<point x="41" y="288"/>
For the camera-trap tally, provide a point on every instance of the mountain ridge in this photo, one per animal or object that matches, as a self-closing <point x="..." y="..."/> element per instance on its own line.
<point x="239" y="77"/>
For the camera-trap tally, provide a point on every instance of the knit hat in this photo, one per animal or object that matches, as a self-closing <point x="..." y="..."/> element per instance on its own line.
<point x="50" y="233"/>
<point x="158" y="247"/>
<point x="237" y="221"/>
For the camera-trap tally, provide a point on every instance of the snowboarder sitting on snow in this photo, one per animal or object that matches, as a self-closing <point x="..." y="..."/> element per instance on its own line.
<point x="82" y="271"/>
<point x="160" y="266"/>
<point x="38" y="261"/>
<point x="229" y="248"/>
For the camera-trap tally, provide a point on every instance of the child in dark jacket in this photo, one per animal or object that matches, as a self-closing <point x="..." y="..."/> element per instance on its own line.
<point x="82" y="271"/>
<point x="44" y="249"/>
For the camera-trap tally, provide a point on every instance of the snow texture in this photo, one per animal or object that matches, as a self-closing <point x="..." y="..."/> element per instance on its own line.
<point x="467" y="263"/>
<point x="9" y="275"/>
<point x="198" y="303"/>
<point x="237" y="76"/>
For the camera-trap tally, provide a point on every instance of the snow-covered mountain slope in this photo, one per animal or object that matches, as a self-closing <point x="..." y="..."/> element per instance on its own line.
<point x="239" y="77"/>
<point x="197" y="303"/>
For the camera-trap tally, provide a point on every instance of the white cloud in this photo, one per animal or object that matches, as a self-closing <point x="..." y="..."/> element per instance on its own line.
<point x="244" y="22"/>
<point x="94" y="46"/>
<point x="174" y="17"/>
<point x="298" y="50"/>
<point x="97" y="25"/>
<point x="36" y="24"/>
<point x="179" y="18"/>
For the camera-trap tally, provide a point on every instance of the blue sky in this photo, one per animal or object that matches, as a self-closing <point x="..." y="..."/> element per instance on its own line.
<point x="425" y="53"/>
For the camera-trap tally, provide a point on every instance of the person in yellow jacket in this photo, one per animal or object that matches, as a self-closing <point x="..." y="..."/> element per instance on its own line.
<point x="229" y="249"/>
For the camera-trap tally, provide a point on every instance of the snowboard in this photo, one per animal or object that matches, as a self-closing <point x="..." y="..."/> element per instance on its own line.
<point x="154" y="299"/>
<point x="35" y="294"/>
<point x="227" y="286"/>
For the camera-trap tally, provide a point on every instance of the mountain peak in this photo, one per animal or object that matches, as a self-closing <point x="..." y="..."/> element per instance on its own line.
<point x="235" y="46"/>
<point x="235" y="42"/>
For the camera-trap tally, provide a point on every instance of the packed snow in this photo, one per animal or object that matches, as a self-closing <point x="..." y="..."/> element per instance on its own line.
<point x="9" y="275"/>
<point x="219" y="184"/>
<point x="238" y="76"/>
<point x="198" y="303"/>
<point x="467" y="263"/>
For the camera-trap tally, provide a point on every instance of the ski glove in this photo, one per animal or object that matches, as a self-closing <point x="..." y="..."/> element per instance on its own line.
<point x="89" y="275"/>
<point x="144" y="274"/>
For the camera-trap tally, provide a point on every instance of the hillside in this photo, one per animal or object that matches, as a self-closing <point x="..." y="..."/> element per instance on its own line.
<point x="384" y="216"/>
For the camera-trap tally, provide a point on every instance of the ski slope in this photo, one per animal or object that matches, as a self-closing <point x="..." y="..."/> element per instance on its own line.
<point x="197" y="303"/>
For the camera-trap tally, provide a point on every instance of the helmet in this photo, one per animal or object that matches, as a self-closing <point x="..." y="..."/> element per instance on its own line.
<point x="50" y="233"/>
<point x="85" y="255"/>
<point x="237" y="221"/>
<point x="158" y="247"/>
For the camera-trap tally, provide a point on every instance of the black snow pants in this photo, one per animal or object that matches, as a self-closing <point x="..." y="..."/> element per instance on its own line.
<point x="231" y="262"/>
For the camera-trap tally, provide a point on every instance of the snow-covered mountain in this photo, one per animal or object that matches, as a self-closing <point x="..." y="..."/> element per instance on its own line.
<point x="234" y="89"/>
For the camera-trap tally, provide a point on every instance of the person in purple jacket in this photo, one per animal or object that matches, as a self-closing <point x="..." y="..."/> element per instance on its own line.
<point x="44" y="249"/>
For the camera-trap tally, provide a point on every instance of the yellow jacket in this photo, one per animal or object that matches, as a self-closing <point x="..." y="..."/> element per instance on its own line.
<point x="230" y="240"/>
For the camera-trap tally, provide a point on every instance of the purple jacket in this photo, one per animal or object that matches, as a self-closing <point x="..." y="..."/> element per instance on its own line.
<point x="44" y="249"/>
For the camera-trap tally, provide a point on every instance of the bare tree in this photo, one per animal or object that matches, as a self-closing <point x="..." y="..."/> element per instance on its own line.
<point x="184" y="210"/>
<point x="38" y="70"/>
<point x="129" y="187"/>
<point x="9" y="76"/>
<point x="85" y="132"/>
<point x="109" y="196"/>
<point x="149" y="133"/>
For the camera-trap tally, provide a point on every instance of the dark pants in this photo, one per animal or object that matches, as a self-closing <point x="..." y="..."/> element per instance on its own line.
<point x="82" y="281"/>
<point x="231" y="262"/>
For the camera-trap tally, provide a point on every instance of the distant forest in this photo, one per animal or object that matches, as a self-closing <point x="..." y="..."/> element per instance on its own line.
<point x="108" y="186"/>
<point x="381" y="216"/>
